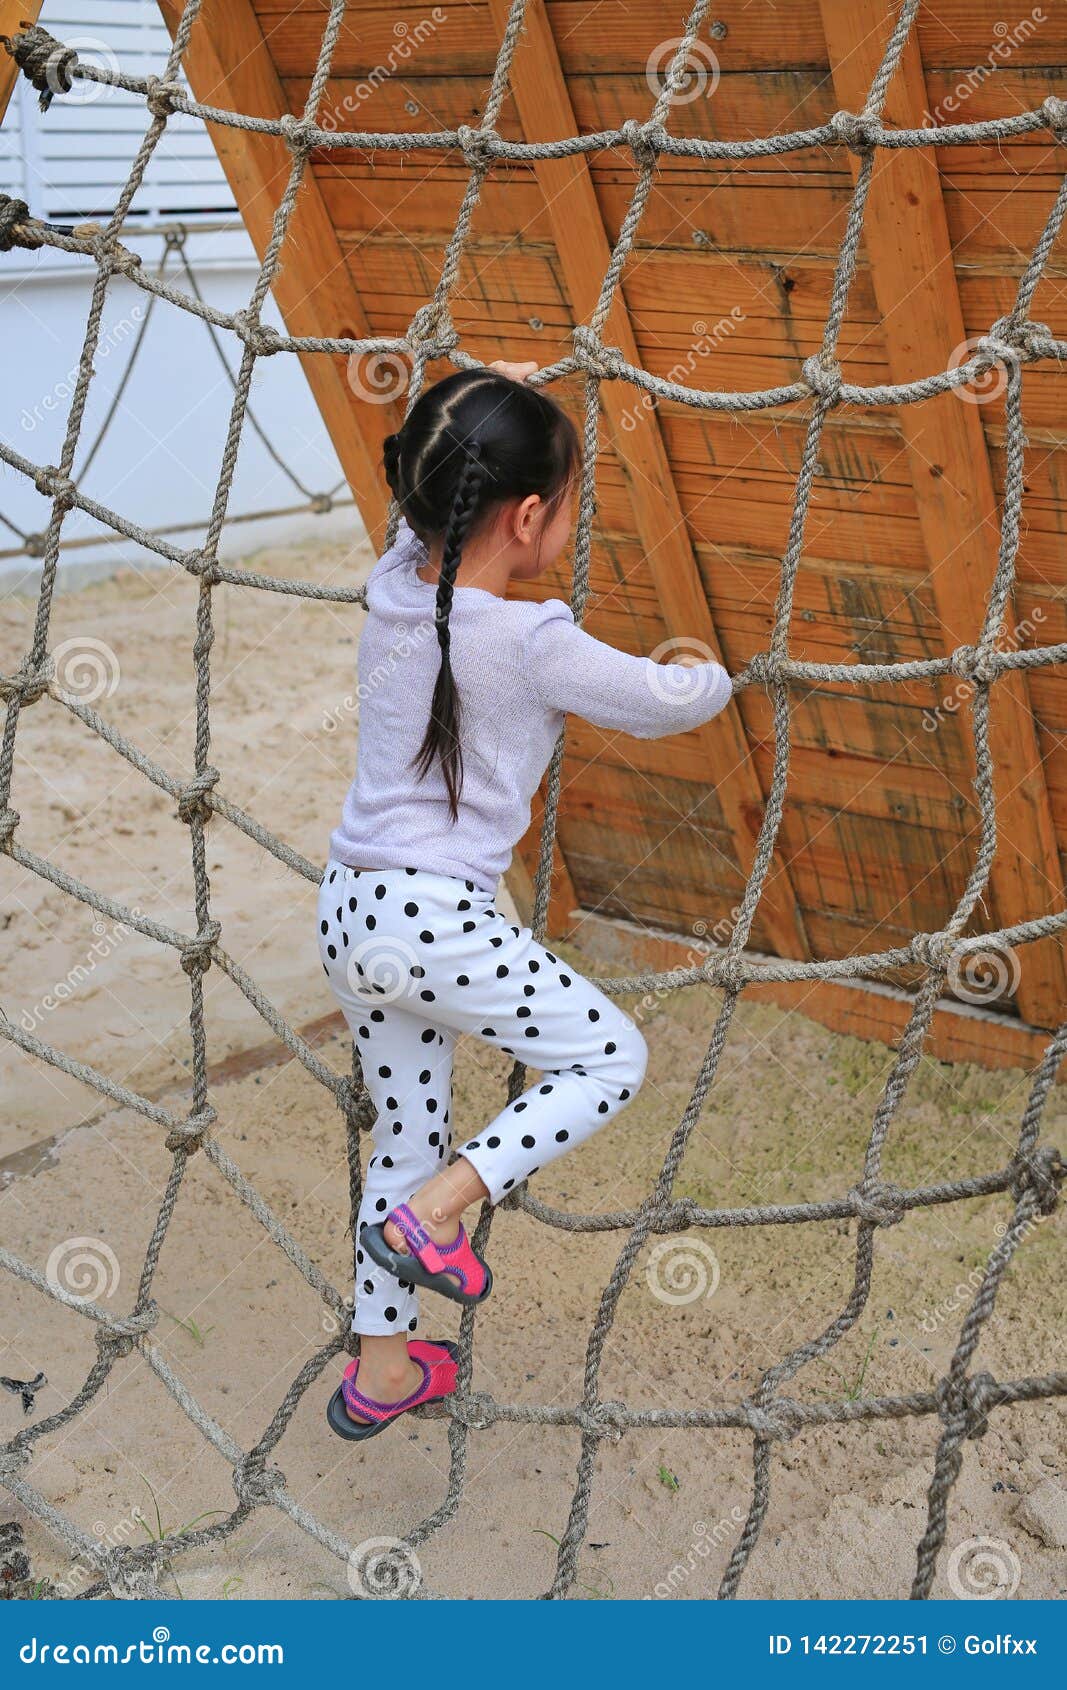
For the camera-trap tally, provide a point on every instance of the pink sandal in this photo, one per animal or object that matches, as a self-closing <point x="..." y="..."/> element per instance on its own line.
<point x="438" y="1362"/>
<point x="453" y="1269"/>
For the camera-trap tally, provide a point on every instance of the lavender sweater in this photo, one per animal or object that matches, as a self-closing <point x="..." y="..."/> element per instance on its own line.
<point x="519" y="668"/>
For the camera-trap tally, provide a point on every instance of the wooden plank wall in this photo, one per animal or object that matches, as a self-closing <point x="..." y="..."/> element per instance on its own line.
<point x="727" y="288"/>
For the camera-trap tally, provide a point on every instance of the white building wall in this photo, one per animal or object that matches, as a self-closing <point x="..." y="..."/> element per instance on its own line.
<point x="159" y="461"/>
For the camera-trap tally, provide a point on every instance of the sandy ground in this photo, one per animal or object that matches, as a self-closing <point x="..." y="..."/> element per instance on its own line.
<point x="786" y="1122"/>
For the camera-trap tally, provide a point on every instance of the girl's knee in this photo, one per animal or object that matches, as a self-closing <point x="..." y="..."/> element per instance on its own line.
<point x="633" y="1054"/>
<point x="622" y="1059"/>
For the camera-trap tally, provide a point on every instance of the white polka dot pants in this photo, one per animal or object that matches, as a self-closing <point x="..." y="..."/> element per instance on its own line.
<point x="415" y="959"/>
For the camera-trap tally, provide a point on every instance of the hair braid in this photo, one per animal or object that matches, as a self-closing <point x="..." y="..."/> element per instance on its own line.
<point x="442" y="738"/>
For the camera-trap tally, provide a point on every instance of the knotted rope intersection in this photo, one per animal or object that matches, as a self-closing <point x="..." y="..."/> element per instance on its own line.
<point x="963" y="1401"/>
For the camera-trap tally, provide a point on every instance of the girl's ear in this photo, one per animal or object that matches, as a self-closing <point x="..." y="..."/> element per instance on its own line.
<point x="526" y="520"/>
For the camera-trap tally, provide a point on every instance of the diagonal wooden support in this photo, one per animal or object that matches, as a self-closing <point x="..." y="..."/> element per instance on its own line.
<point x="228" y="64"/>
<point x="907" y="240"/>
<point x="541" y="95"/>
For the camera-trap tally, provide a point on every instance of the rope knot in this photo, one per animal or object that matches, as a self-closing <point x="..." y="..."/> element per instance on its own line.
<point x="44" y="61"/>
<point x="1054" y="112"/>
<point x="766" y="667"/>
<point x="298" y="133"/>
<point x="204" y="564"/>
<point x="260" y="337"/>
<point x="975" y="663"/>
<point x="51" y="483"/>
<point x="643" y="141"/>
<point x="9" y="821"/>
<point x="1004" y="344"/>
<point x="877" y="1203"/>
<point x="603" y="1420"/>
<point x="160" y="96"/>
<point x="27" y="684"/>
<point x="963" y="1405"/>
<point x="193" y="802"/>
<point x="321" y="504"/>
<point x="431" y="327"/>
<point x="255" y="1483"/>
<point x="726" y="969"/>
<point x="860" y="131"/>
<point x="1042" y="1172"/>
<point x="480" y="146"/>
<point x="189" y="1135"/>
<point x="933" y="950"/>
<point x="196" y="952"/>
<point x="775" y="1422"/>
<point x="593" y="356"/>
<point x="823" y="377"/>
<point x="474" y="1410"/>
<point x="14" y="214"/>
<point x="128" y="1579"/>
<point x="112" y="1345"/>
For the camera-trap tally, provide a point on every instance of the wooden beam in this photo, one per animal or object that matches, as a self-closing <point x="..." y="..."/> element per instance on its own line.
<point x="14" y="15"/>
<point x="543" y="101"/>
<point x="915" y="284"/>
<point x="957" y="1033"/>
<point x="228" y="64"/>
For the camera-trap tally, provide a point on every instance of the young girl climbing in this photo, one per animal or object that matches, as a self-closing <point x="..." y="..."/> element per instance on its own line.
<point x="463" y="694"/>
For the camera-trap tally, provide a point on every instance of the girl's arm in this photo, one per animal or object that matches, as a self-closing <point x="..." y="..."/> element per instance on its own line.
<point x="571" y="671"/>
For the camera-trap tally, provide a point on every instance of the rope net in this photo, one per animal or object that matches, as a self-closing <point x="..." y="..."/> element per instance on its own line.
<point x="962" y="1399"/>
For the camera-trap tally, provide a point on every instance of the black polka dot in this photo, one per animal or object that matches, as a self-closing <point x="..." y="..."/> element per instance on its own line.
<point x="425" y="1077"/>
<point x="431" y="1106"/>
<point x="368" y="1286"/>
<point x="371" y="923"/>
<point x="562" y="1136"/>
<point x="391" y="1103"/>
<point x="381" y="1205"/>
<point x="601" y="1108"/>
<point x="434" y="1138"/>
<point x="469" y="884"/>
<point x="528" y="1141"/>
<point x="508" y="1183"/>
<point x="387" y="1161"/>
<point x="502" y="970"/>
<point x="493" y="1143"/>
<point x="377" y="1014"/>
<point x="411" y="871"/>
<point x="414" y="1321"/>
<point x="623" y="1095"/>
<point x="609" y="1048"/>
<point x="331" y="952"/>
<point x="390" y="1313"/>
<point x="385" y="1073"/>
<point x="359" y="1258"/>
<point x="528" y="991"/>
<point x="417" y="971"/>
<point x="398" y="1127"/>
<point x="544" y="1090"/>
<point x="565" y="980"/>
<point x="364" y="1032"/>
<point x="535" y="966"/>
<point x="469" y="926"/>
<point x="428" y="997"/>
<point x="488" y="1032"/>
<point x="426" y="937"/>
<point x="338" y="912"/>
<point x="344" y="940"/>
<point x="333" y="875"/>
<point x="464" y="904"/>
<point x="428" y="1036"/>
<point x="474" y="1144"/>
<point x="550" y="957"/>
<point x="463" y="979"/>
<point x="532" y="1032"/>
<point x="524" y="1012"/>
<point x="411" y="909"/>
<point x="325" y="927"/>
<point x="594" y="1015"/>
<point x="496" y="941"/>
<point x="352" y="904"/>
<point x="519" y="1107"/>
<point x="379" y="891"/>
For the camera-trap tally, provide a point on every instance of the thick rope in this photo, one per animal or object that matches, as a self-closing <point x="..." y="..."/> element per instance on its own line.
<point x="962" y="1400"/>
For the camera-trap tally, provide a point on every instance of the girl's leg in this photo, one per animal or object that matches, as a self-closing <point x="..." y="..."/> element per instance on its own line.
<point x="497" y="982"/>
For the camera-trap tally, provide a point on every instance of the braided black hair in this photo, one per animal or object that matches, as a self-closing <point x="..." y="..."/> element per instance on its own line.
<point x="471" y="442"/>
